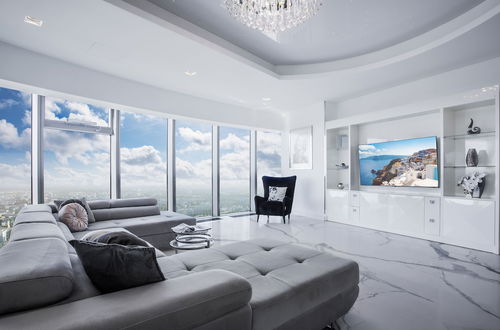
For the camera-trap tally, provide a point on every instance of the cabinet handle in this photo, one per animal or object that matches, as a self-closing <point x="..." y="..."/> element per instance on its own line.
<point x="354" y="210"/>
<point x="354" y="195"/>
<point x="432" y="201"/>
<point x="432" y="220"/>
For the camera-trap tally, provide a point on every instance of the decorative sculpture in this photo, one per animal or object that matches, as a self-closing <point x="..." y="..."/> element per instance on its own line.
<point x="340" y="185"/>
<point x="471" y="159"/>
<point x="471" y="129"/>
<point x="473" y="185"/>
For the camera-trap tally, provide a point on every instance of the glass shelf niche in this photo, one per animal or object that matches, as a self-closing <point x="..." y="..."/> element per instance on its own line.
<point x="471" y="167"/>
<point x="471" y="136"/>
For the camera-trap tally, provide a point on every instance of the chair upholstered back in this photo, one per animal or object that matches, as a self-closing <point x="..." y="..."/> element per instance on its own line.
<point x="288" y="182"/>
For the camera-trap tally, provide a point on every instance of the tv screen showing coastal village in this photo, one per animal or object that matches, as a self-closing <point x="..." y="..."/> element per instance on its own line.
<point x="404" y="163"/>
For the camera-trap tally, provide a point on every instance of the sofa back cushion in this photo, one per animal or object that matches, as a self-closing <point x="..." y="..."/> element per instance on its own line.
<point x="34" y="273"/>
<point x="124" y="208"/>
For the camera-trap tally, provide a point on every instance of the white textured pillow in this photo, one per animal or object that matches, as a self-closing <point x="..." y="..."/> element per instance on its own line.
<point x="74" y="216"/>
<point x="277" y="194"/>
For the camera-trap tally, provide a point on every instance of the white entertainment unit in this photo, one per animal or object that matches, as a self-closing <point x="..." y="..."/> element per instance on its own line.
<point x="441" y="214"/>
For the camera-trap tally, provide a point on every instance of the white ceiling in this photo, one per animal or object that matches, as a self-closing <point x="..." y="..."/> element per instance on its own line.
<point x="150" y="45"/>
<point x="342" y="28"/>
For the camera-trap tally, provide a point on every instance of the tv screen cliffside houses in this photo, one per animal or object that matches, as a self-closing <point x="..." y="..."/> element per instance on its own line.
<point x="402" y="163"/>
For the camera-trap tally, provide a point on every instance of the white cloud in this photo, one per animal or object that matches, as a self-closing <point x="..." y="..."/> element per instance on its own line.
<point x="140" y="156"/>
<point x="7" y="103"/>
<point x="10" y="138"/>
<point x="233" y="142"/>
<point x="197" y="140"/>
<point x="80" y="146"/>
<point x="269" y="143"/>
<point x="366" y="147"/>
<point x="15" y="177"/>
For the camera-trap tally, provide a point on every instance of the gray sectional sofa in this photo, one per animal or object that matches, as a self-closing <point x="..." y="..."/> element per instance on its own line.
<point x="256" y="284"/>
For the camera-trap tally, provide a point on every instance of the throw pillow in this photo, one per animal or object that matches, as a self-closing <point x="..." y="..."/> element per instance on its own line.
<point x="90" y="214"/>
<point x="113" y="267"/>
<point x="277" y="194"/>
<point x="74" y="216"/>
<point x="114" y="236"/>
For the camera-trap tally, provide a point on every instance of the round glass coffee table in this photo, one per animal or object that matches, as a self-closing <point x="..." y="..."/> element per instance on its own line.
<point x="191" y="242"/>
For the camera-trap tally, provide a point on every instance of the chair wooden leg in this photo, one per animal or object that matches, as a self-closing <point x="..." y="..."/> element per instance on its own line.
<point x="267" y="219"/>
<point x="258" y="216"/>
<point x="284" y="220"/>
<point x="289" y="218"/>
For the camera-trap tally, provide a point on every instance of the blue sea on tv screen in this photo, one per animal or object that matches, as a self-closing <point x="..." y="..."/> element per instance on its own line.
<point x="376" y="163"/>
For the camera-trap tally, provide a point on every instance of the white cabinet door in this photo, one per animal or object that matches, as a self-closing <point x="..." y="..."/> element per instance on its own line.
<point x="406" y="214"/>
<point x="432" y="215"/>
<point x="373" y="210"/>
<point x="469" y="222"/>
<point x="395" y="213"/>
<point x="337" y="205"/>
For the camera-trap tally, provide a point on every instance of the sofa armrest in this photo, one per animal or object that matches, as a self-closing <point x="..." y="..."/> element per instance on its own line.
<point x="180" y="303"/>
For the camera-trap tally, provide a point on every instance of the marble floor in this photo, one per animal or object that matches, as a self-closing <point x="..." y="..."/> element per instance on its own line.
<point x="405" y="283"/>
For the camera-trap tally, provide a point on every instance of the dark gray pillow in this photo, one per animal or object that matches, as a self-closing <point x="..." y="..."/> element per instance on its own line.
<point x="113" y="267"/>
<point x="90" y="214"/>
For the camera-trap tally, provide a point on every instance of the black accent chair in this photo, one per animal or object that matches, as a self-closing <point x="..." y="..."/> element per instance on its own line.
<point x="265" y="207"/>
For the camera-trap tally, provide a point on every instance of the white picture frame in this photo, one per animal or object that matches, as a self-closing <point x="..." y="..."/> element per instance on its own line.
<point x="301" y="148"/>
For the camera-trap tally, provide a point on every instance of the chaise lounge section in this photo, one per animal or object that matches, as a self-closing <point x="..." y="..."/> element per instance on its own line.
<point x="257" y="284"/>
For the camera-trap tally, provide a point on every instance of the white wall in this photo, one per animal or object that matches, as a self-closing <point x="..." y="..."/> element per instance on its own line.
<point x="309" y="191"/>
<point x="36" y="73"/>
<point x="457" y="81"/>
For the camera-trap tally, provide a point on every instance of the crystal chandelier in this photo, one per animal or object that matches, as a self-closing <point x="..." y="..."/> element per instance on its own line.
<point x="272" y="16"/>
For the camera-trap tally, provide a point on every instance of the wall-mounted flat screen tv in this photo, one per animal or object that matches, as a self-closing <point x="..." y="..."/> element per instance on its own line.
<point x="402" y="163"/>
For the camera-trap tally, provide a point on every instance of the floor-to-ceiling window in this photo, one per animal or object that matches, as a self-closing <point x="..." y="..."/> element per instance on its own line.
<point x="234" y="169"/>
<point x="15" y="156"/>
<point x="76" y="164"/>
<point x="193" y="168"/>
<point x="143" y="157"/>
<point x="268" y="156"/>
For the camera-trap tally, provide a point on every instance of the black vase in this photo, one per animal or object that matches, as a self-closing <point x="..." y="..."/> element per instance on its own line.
<point x="472" y="159"/>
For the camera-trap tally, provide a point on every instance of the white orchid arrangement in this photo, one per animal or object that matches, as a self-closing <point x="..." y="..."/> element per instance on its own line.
<point x="471" y="183"/>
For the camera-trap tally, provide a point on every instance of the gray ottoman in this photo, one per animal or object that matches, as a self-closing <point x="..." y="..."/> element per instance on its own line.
<point x="293" y="286"/>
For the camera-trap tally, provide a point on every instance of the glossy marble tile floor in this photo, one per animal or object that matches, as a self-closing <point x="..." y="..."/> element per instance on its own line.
<point x="405" y="283"/>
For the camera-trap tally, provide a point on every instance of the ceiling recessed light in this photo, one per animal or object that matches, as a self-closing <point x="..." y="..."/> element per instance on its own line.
<point x="190" y="73"/>
<point x="33" y="21"/>
<point x="266" y="99"/>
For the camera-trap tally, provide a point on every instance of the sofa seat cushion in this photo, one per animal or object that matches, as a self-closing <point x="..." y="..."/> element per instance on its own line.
<point x="287" y="279"/>
<point x="34" y="273"/>
<point x="36" y="230"/>
<point x="143" y="226"/>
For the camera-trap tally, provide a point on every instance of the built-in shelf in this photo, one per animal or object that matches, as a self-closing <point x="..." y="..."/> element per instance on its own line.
<point x="471" y="136"/>
<point x="470" y="199"/>
<point x="464" y="166"/>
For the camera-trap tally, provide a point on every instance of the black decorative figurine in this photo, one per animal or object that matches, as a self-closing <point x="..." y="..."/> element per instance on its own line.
<point x="473" y="130"/>
<point x="472" y="159"/>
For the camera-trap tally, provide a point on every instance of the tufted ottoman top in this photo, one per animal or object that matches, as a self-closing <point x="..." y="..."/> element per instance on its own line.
<point x="287" y="279"/>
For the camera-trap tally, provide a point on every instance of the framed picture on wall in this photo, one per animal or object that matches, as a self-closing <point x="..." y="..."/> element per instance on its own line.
<point x="301" y="155"/>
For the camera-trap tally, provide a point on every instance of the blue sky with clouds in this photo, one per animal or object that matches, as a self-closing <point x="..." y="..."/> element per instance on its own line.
<point x="84" y="158"/>
<point x="399" y="148"/>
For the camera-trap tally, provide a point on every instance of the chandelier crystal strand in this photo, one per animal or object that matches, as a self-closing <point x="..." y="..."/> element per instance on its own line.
<point x="272" y="15"/>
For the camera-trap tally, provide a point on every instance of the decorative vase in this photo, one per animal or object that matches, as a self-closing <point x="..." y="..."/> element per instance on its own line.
<point x="471" y="129"/>
<point x="471" y="159"/>
<point x="478" y="191"/>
